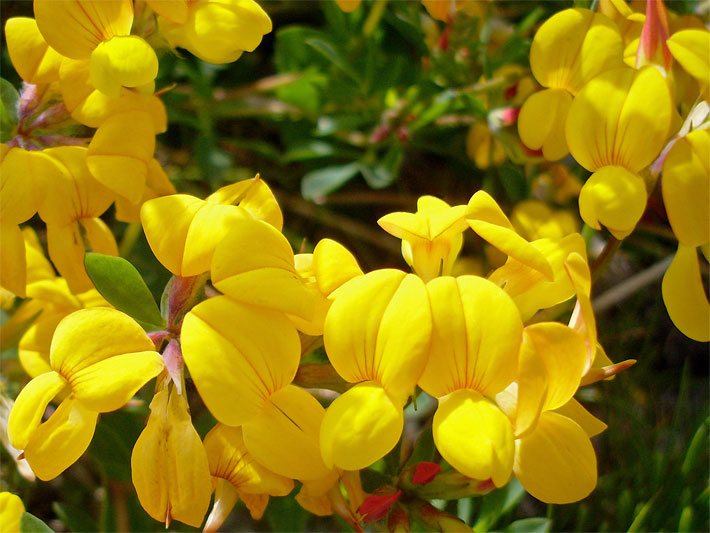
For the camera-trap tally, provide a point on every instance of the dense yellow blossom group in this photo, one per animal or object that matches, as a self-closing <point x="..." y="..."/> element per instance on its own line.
<point x="242" y="309"/>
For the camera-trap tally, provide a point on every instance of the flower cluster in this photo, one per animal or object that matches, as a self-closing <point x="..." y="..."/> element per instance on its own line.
<point x="625" y="94"/>
<point x="308" y="367"/>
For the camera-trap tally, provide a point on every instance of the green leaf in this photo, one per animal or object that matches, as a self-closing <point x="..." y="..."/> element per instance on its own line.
<point x="332" y="54"/>
<point x="123" y="287"/>
<point x="29" y="523"/>
<point x="383" y="172"/>
<point x="529" y="525"/>
<point x="325" y="180"/>
<point x="9" y="108"/>
<point x="285" y="514"/>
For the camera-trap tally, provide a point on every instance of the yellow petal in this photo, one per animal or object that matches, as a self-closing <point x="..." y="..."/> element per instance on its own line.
<point x="23" y="178"/>
<point x="254" y="264"/>
<point x="614" y="198"/>
<point x="290" y="416"/>
<point x="218" y="32"/>
<point x="74" y="193"/>
<point x="360" y="427"/>
<point x="530" y="290"/>
<point x="169" y="465"/>
<point x="556" y="462"/>
<point x="120" y="151"/>
<point x="61" y="440"/>
<point x="686" y="188"/>
<point x="583" y="316"/>
<point x="684" y="295"/>
<point x="620" y="118"/>
<point x="574" y="46"/>
<point x="254" y="196"/>
<point x="591" y="425"/>
<point x="38" y="267"/>
<point x="348" y="5"/>
<point x="476" y="337"/>
<point x="690" y="49"/>
<point x="229" y="459"/>
<point x="11" y="509"/>
<point x="552" y="361"/>
<point x="196" y="229"/>
<point x="541" y="123"/>
<point x="474" y="436"/>
<point x="174" y="10"/>
<point x="488" y="221"/>
<point x="238" y="355"/>
<point x="32" y="58"/>
<point x="482" y="147"/>
<point x="333" y="265"/>
<point x="89" y="336"/>
<point x="378" y="329"/>
<point x="123" y="61"/>
<point x="13" y="266"/>
<point x="33" y="350"/>
<point x="109" y="384"/>
<point x="74" y="29"/>
<point x="26" y="414"/>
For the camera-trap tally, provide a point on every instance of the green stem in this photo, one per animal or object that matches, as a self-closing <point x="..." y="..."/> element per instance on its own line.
<point x="601" y="263"/>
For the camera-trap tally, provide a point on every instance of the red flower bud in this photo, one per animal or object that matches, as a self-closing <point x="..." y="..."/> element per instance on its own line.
<point x="376" y="506"/>
<point x="425" y="472"/>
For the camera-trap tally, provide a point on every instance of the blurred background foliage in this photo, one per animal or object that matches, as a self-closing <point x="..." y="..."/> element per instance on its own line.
<point x="351" y="116"/>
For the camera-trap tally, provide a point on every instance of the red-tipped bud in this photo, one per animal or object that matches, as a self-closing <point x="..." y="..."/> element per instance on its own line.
<point x="376" y="506"/>
<point x="425" y="472"/>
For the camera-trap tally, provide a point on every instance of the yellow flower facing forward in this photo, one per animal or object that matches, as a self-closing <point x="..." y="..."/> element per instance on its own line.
<point x="617" y="126"/>
<point x="11" y="510"/>
<point x="197" y="226"/>
<point x="215" y="31"/>
<point x="473" y="356"/>
<point x="431" y="237"/>
<point x="99" y="31"/>
<point x="482" y="147"/>
<point x="686" y="194"/>
<point x="534" y="220"/>
<point x="238" y="476"/>
<point x="169" y="464"/>
<point x="99" y="359"/>
<point x="376" y="335"/>
<point x="569" y="49"/>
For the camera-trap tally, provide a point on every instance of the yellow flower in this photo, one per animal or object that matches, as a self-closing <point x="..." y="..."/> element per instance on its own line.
<point x="99" y="358"/>
<point x="197" y="226"/>
<point x="169" y="464"/>
<point x="686" y="194"/>
<point x="214" y="31"/>
<point x="431" y="237"/>
<point x="74" y="203"/>
<point x="238" y="475"/>
<point x="376" y="335"/>
<point x="473" y="356"/>
<point x="99" y="31"/>
<point x="689" y="47"/>
<point x="533" y="220"/>
<point x="483" y="148"/>
<point x="570" y="48"/>
<point x="11" y="510"/>
<point x="616" y="127"/>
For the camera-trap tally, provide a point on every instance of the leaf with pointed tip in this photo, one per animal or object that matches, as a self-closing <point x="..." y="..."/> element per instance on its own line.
<point x="123" y="287"/>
